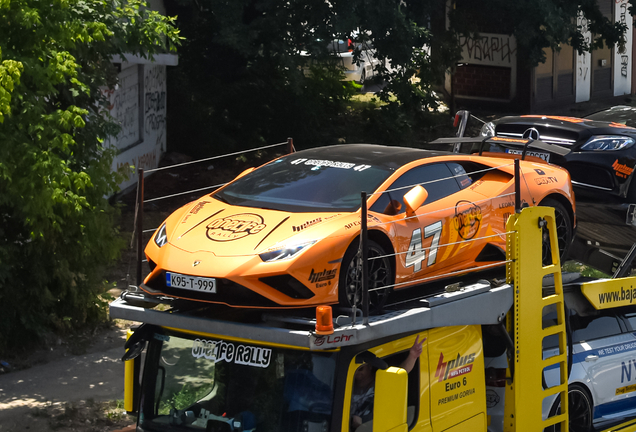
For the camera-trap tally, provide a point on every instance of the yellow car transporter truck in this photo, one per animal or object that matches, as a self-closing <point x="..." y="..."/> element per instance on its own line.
<point x="221" y="369"/>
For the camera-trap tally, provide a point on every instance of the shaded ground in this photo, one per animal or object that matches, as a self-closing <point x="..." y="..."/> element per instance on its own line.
<point x="65" y="391"/>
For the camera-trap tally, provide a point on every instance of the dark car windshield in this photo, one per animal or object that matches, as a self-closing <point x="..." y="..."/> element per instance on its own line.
<point x="300" y="184"/>
<point x="618" y="114"/>
<point x="196" y="384"/>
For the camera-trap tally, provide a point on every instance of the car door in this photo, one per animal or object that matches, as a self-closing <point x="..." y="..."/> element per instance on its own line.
<point x="438" y="238"/>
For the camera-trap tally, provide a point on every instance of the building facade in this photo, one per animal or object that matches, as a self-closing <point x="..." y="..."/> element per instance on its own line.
<point x="490" y="74"/>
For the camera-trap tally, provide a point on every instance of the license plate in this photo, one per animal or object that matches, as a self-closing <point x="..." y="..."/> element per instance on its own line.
<point x="194" y="283"/>
<point x="544" y="156"/>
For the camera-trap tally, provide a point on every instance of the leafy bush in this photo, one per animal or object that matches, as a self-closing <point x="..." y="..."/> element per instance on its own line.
<point x="56" y="226"/>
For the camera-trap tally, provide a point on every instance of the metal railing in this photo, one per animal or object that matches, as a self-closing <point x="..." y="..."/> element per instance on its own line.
<point x="363" y="249"/>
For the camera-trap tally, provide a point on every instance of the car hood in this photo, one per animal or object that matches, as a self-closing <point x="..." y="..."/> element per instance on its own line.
<point x="212" y="226"/>
<point x="570" y="132"/>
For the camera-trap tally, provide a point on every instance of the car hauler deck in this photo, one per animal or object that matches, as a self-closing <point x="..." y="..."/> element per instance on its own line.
<point x="223" y="369"/>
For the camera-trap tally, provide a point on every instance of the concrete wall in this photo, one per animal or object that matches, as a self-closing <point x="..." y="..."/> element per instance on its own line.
<point x="138" y="104"/>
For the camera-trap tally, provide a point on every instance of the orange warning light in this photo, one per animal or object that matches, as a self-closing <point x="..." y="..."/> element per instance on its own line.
<point x="324" y="320"/>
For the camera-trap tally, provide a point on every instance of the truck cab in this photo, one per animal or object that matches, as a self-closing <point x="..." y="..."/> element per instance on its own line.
<point x="216" y="368"/>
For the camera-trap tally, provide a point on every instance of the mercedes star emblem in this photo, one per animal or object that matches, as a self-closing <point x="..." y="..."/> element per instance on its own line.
<point x="532" y="134"/>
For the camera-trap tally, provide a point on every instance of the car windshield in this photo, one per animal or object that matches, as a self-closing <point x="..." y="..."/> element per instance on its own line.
<point x="297" y="184"/>
<point x="619" y="114"/>
<point x="212" y="384"/>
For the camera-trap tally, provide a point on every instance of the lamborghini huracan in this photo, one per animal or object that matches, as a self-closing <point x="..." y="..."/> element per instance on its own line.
<point x="286" y="234"/>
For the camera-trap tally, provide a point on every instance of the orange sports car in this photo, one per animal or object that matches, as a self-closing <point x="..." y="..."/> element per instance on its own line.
<point x="286" y="234"/>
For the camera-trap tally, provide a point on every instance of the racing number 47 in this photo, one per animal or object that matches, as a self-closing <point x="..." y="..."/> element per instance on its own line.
<point x="416" y="254"/>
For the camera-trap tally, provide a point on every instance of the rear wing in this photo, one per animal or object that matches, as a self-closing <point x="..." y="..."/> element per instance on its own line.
<point x="511" y="143"/>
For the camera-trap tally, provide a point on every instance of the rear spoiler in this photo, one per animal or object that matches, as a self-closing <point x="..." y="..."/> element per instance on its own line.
<point x="504" y="142"/>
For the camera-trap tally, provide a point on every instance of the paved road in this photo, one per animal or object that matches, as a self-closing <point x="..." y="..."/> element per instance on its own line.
<point x="97" y="375"/>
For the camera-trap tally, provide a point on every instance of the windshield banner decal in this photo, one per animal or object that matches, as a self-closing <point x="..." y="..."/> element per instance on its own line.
<point x="231" y="353"/>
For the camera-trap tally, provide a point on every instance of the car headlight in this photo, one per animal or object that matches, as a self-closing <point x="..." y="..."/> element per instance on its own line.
<point x="608" y="142"/>
<point x="161" y="238"/>
<point x="285" y="252"/>
<point x="487" y="130"/>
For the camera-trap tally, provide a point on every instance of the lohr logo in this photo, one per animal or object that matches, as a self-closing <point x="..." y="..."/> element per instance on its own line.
<point x="454" y="368"/>
<point x="331" y="339"/>
<point x="235" y="227"/>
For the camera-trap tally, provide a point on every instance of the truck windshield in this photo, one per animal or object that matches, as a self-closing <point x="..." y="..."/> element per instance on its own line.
<point x="216" y="385"/>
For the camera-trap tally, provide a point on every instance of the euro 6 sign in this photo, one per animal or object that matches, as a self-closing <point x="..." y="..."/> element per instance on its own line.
<point x="457" y="380"/>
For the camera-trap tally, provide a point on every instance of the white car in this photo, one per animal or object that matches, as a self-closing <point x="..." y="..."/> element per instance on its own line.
<point x="602" y="382"/>
<point x="357" y="70"/>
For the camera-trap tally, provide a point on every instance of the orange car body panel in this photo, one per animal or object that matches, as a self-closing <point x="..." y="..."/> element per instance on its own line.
<point x="226" y="240"/>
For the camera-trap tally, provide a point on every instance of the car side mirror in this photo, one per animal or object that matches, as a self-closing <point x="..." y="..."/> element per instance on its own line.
<point x="414" y="199"/>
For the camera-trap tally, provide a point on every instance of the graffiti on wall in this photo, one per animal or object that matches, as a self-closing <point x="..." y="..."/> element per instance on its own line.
<point x="489" y="49"/>
<point x="622" y="60"/>
<point x="155" y="99"/>
<point x="143" y="136"/>
<point x="124" y="107"/>
<point x="144" y="161"/>
<point x="583" y="61"/>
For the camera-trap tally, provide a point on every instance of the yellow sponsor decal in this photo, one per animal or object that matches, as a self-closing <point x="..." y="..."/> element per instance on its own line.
<point x="627" y="389"/>
<point x="611" y="293"/>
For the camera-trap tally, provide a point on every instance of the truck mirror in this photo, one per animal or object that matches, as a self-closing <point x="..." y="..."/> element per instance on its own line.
<point x="391" y="393"/>
<point x="414" y="199"/>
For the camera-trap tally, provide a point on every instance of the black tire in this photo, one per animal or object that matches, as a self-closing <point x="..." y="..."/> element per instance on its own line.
<point x="580" y="410"/>
<point x="380" y="275"/>
<point x="564" y="231"/>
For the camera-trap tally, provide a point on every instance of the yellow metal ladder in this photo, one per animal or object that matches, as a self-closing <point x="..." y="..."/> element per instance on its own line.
<point x="525" y="392"/>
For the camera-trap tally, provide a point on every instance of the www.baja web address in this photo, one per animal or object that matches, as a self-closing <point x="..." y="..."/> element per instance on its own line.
<point x="628" y="294"/>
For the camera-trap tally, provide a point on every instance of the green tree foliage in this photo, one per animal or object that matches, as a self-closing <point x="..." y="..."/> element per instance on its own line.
<point x="241" y="77"/>
<point x="56" y="226"/>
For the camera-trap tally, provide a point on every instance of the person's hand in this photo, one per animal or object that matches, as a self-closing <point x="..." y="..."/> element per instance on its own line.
<point x="416" y="349"/>
<point x="356" y="421"/>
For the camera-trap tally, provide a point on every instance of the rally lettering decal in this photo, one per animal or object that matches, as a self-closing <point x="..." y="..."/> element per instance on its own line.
<point x="196" y="209"/>
<point x="467" y="219"/>
<point x="218" y="351"/>
<point x="332" y="164"/>
<point x="235" y="227"/>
